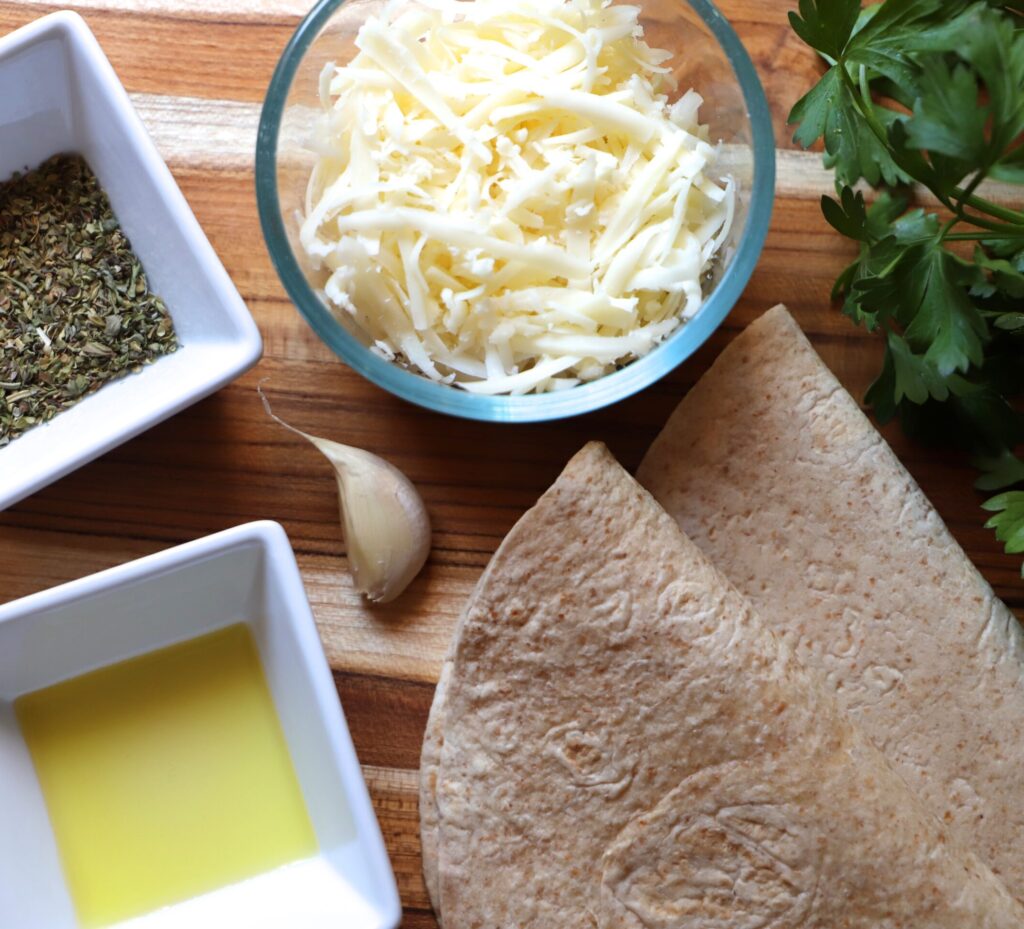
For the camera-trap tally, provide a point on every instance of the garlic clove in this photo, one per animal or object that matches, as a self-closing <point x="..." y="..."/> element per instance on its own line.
<point x="383" y="518"/>
<point x="385" y="524"/>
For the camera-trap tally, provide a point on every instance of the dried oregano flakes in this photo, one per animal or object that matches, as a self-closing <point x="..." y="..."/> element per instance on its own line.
<point x="76" y="310"/>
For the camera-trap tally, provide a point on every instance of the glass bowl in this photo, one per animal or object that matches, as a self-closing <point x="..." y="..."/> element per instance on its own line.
<point x="707" y="55"/>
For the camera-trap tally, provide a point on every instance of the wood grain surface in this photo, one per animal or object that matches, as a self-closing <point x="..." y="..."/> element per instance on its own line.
<point x="197" y="71"/>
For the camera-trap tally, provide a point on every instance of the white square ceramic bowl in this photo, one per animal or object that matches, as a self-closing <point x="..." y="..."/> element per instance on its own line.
<point x="247" y="574"/>
<point x="58" y="93"/>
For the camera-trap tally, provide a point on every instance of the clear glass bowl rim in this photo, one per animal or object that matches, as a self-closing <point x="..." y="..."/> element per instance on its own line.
<point x="576" y="401"/>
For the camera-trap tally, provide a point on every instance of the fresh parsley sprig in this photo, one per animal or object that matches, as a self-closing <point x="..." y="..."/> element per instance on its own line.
<point x="930" y="94"/>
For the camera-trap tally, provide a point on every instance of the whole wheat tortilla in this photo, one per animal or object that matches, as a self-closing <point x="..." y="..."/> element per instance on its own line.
<point x="430" y="759"/>
<point x="626" y="745"/>
<point x="771" y="468"/>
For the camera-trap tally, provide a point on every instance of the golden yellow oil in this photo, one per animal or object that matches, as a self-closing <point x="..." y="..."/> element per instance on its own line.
<point x="166" y="776"/>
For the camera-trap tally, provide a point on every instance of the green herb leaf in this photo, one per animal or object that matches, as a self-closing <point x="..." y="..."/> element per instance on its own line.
<point x="812" y="111"/>
<point x="1002" y="470"/>
<point x="887" y="43"/>
<point x="1006" y="276"/>
<point x="948" y="119"/>
<point x="994" y="46"/>
<point x="1011" y="322"/>
<point x="826" y="24"/>
<point x="947" y="326"/>
<point x="847" y="215"/>
<point x="1009" y="521"/>
<point x="852" y="147"/>
<point x="1010" y="168"/>
<point x="916" y="376"/>
<point x="986" y="423"/>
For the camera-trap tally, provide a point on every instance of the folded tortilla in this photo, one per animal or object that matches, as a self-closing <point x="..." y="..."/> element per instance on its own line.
<point x="430" y="761"/>
<point x="771" y="468"/>
<point x="625" y="744"/>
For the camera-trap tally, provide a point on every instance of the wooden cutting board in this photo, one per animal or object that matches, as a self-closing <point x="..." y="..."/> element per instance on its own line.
<point x="197" y="71"/>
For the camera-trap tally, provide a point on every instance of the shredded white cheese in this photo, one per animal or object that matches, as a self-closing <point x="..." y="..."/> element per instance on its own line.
<point x="504" y="198"/>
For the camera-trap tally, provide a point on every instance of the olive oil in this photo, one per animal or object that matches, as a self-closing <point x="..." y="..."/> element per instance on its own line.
<point x="165" y="776"/>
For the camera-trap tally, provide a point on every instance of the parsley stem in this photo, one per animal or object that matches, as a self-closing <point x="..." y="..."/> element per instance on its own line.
<point x="866" y="109"/>
<point x="983" y="223"/>
<point x="862" y="103"/>
<point x="865" y="86"/>
<point x="972" y="186"/>
<point x="980" y="236"/>
<point x="987" y="206"/>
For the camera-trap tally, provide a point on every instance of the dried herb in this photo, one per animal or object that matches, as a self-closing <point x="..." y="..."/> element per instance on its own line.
<point x="75" y="308"/>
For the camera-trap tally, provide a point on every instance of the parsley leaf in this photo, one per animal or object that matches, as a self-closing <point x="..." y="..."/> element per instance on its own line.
<point x="851" y="146"/>
<point x="948" y="119"/>
<point x="826" y="26"/>
<point x="1002" y="470"/>
<point x="1011" y="322"/>
<point x="1009" y="521"/>
<point x="945" y="325"/>
<point x="913" y="376"/>
<point x="1000" y="274"/>
<point x="994" y="46"/>
<point x="1010" y="167"/>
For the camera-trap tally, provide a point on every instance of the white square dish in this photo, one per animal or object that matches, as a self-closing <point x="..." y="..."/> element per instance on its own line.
<point x="248" y="575"/>
<point x="58" y="93"/>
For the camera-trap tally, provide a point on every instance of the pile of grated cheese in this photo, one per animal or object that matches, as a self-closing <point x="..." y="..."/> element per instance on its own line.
<point x="504" y="199"/>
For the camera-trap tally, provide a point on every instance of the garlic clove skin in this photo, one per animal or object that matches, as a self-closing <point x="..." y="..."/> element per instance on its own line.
<point x="383" y="518"/>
